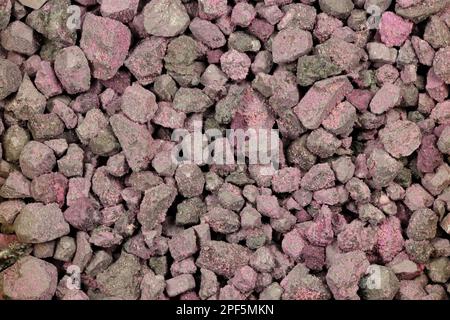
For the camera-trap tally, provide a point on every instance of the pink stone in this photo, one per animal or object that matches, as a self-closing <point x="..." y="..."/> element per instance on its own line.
<point x="105" y="42"/>
<point x="436" y="88"/>
<point x="212" y="9"/>
<point x="243" y="14"/>
<point x="261" y="29"/>
<point x="138" y="104"/>
<point x="235" y="64"/>
<point x="290" y="44"/>
<point x="293" y="244"/>
<point x="145" y="61"/>
<point x="360" y="98"/>
<point x="123" y="11"/>
<point x="83" y="214"/>
<point x="390" y="240"/>
<point x="394" y="30"/>
<point x="417" y="197"/>
<point x="441" y="113"/>
<point x="318" y="102"/>
<point x="244" y="279"/>
<point x="46" y="80"/>
<point x="30" y="279"/>
<point x="428" y="157"/>
<point x="320" y="233"/>
<point x="65" y="113"/>
<point x="136" y="141"/>
<point x="208" y="33"/>
<point x="286" y="180"/>
<point x="425" y="53"/>
<point x="268" y="206"/>
<point x="385" y="99"/>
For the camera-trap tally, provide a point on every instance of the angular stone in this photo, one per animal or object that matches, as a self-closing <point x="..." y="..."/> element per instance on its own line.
<point x="222" y="258"/>
<point x="154" y="205"/>
<point x="72" y="69"/>
<point x="191" y="100"/>
<point x="27" y="102"/>
<point x="30" y="279"/>
<point x="145" y="61"/>
<point x="10" y="78"/>
<point x="19" y="37"/>
<point x="382" y="168"/>
<point x="290" y="44"/>
<point x="135" y="140"/>
<point x="165" y="18"/>
<point x="422" y="225"/>
<point x="138" y="104"/>
<point x="39" y="223"/>
<point x="121" y="279"/>
<point x="401" y="138"/>
<point x="318" y="102"/>
<point x="105" y="42"/>
<point x="36" y="159"/>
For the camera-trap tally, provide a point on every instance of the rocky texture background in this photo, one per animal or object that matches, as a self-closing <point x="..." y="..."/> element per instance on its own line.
<point x="92" y="206"/>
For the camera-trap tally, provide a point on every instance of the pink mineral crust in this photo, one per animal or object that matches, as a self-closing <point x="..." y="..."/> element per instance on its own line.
<point x="385" y="99"/>
<point x="235" y="64"/>
<point x="394" y="30"/>
<point x="320" y="99"/>
<point x="390" y="240"/>
<point x="30" y="279"/>
<point x="114" y="127"/>
<point x="105" y="42"/>
<point x="428" y="156"/>
<point x="290" y="44"/>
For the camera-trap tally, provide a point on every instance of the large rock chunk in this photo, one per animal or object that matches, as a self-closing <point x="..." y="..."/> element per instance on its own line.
<point x="10" y="78"/>
<point x="190" y="180"/>
<point x="290" y="44"/>
<point x="105" y="42"/>
<point x="39" y="223"/>
<point x="29" y="279"/>
<point x="401" y="138"/>
<point x="155" y="204"/>
<point x="420" y="10"/>
<point x="344" y="275"/>
<point x="165" y="18"/>
<point x="52" y="21"/>
<point x="440" y="64"/>
<point x="380" y="283"/>
<point x="318" y="177"/>
<point x="191" y="100"/>
<point x="72" y="70"/>
<point x="27" y="102"/>
<point x="5" y="13"/>
<point x="14" y="139"/>
<point x="16" y="186"/>
<point x="121" y="279"/>
<point x="324" y="95"/>
<point x="136" y="141"/>
<point x="313" y="68"/>
<point x="300" y="285"/>
<point x="422" y="225"/>
<point x="337" y="8"/>
<point x="19" y="37"/>
<point x="36" y="159"/>
<point x="138" y="104"/>
<point x="222" y="258"/>
<point x="50" y="187"/>
<point x="382" y="168"/>
<point x="145" y="61"/>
